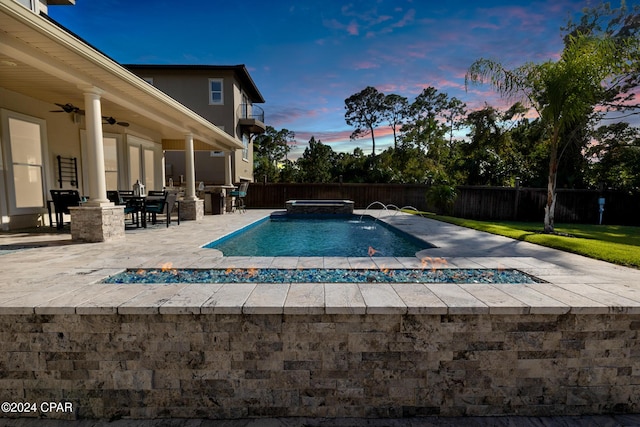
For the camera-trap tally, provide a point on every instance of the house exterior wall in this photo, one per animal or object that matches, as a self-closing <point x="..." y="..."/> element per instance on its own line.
<point x="191" y="88"/>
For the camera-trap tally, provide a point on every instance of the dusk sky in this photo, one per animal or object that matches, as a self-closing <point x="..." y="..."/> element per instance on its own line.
<point x="307" y="57"/>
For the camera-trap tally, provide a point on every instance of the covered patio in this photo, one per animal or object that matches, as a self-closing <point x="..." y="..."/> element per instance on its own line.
<point x="62" y="98"/>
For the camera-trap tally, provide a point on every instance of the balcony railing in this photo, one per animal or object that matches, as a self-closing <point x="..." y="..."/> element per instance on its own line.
<point x="250" y="111"/>
<point x="251" y="118"/>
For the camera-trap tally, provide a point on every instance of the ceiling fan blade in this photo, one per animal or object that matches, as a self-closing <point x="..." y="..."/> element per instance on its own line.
<point x="67" y="108"/>
<point x="112" y="121"/>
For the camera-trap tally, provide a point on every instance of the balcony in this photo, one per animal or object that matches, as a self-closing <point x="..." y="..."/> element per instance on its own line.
<point x="251" y="118"/>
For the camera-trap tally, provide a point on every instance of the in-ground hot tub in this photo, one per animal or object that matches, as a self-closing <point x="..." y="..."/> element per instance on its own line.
<point x="342" y="207"/>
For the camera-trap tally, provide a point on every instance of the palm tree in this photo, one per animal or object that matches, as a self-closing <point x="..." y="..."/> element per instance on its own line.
<point x="564" y="93"/>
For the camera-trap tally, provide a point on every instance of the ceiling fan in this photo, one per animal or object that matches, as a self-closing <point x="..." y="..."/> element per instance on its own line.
<point x="70" y="108"/>
<point x="112" y="121"/>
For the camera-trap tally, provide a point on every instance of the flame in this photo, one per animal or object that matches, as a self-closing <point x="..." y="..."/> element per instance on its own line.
<point x="167" y="266"/>
<point x="228" y="270"/>
<point x="441" y="262"/>
<point x="386" y="271"/>
<point x="252" y="272"/>
<point x="371" y="251"/>
<point x="425" y="261"/>
<point x="434" y="263"/>
<point x="141" y="271"/>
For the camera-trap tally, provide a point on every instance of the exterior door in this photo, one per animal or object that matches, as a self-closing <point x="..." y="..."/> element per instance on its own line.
<point x="145" y="163"/>
<point x="24" y="153"/>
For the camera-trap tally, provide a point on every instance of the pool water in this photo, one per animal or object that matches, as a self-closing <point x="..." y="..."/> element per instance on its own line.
<point x="319" y="236"/>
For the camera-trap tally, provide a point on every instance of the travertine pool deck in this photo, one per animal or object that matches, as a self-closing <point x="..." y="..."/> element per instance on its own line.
<point x="568" y="346"/>
<point x="57" y="276"/>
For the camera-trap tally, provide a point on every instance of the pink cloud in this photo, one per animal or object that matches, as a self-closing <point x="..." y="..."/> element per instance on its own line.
<point x="328" y="137"/>
<point x="352" y="28"/>
<point x="408" y="18"/>
<point x="371" y="22"/>
<point x="365" y="65"/>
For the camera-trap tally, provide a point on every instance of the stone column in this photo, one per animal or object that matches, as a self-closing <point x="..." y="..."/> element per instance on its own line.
<point x="191" y="207"/>
<point x="190" y="168"/>
<point x="228" y="180"/>
<point x="97" y="220"/>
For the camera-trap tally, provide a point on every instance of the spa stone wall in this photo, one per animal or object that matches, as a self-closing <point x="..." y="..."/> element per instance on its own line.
<point x="236" y="366"/>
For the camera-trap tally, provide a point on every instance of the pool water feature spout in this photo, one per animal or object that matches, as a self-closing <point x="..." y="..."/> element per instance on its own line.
<point x="389" y="207"/>
<point x="384" y="207"/>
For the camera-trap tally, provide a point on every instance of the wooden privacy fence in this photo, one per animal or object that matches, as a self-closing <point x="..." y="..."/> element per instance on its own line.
<point x="274" y="196"/>
<point x="472" y="202"/>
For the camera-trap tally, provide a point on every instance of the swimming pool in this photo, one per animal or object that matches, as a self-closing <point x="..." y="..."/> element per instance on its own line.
<point x="309" y="235"/>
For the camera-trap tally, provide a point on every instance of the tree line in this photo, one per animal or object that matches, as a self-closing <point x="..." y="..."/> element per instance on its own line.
<point x="564" y="128"/>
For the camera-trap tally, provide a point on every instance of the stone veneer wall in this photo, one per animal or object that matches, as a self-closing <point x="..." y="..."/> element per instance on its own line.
<point x="192" y="210"/>
<point x="340" y="207"/>
<point x="233" y="366"/>
<point x="97" y="224"/>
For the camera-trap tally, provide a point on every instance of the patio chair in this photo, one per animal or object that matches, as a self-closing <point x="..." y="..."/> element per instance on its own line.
<point x="114" y="197"/>
<point x="172" y="200"/>
<point x="239" y="195"/>
<point x="62" y="201"/>
<point x="156" y="203"/>
<point x="131" y="206"/>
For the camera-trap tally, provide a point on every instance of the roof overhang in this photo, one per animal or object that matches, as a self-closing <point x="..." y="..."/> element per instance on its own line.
<point x="41" y="60"/>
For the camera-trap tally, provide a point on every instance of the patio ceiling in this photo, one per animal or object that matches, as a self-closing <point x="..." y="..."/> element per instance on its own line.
<point x="41" y="60"/>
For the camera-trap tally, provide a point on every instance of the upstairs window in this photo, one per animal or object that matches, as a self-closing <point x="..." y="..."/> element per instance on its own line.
<point x="29" y="4"/>
<point x="245" y="146"/>
<point x="216" y="96"/>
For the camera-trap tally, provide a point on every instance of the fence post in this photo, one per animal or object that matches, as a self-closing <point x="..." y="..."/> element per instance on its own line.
<point x="517" y="200"/>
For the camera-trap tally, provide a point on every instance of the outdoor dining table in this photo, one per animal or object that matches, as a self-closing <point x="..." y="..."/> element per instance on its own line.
<point x="137" y="205"/>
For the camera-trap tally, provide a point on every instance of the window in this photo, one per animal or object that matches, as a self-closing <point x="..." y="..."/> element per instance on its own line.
<point x="149" y="169"/>
<point x="246" y="113"/>
<point x="245" y="146"/>
<point x="135" y="168"/>
<point x="29" y="4"/>
<point x="111" y="162"/>
<point x="216" y="96"/>
<point x="25" y="151"/>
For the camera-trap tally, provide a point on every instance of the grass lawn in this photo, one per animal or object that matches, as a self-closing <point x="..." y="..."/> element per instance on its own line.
<point x="613" y="243"/>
